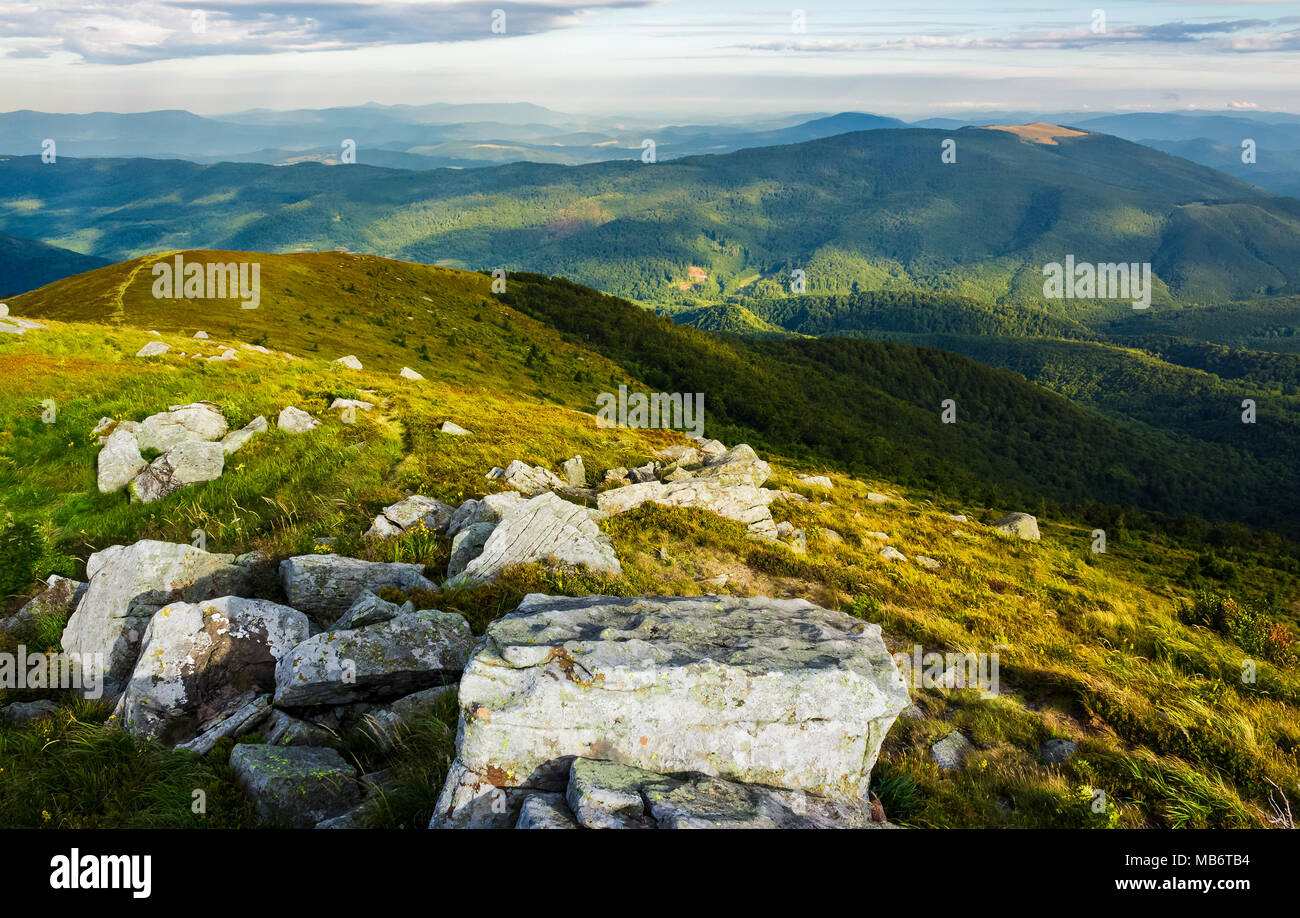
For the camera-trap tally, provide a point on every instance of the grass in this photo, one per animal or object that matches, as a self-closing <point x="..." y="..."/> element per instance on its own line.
<point x="1096" y="648"/>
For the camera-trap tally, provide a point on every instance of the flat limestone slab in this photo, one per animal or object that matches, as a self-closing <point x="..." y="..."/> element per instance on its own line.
<point x="764" y="691"/>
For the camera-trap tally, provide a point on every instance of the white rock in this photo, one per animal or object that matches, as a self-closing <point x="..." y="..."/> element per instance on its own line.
<point x="763" y="691"/>
<point x="295" y="420"/>
<point x="200" y="334"/>
<point x="199" y="421"/>
<point x="890" y="553"/>
<point x="128" y="584"/>
<point x="816" y="481"/>
<point x="454" y="430"/>
<point x="350" y="361"/>
<point x="153" y="349"/>
<point x="119" y="461"/>
<point x="235" y="440"/>
<point x="1021" y="525"/>
<point x="544" y="529"/>
<point x="198" y="659"/>
<point x="408" y="373"/>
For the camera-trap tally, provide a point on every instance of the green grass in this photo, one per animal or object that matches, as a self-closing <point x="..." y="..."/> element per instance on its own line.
<point x="1094" y="648"/>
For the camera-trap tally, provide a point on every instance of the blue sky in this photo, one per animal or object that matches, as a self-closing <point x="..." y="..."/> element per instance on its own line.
<point x="669" y="58"/>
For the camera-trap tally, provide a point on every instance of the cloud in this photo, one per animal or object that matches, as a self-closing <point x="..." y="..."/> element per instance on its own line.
<point x="134" y="31"/>
<point x="1235" y="35"/>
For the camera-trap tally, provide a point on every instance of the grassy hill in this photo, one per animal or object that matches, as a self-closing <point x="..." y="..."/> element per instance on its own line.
<point x="868" y="210"/>
<point x="1119" y="651"/>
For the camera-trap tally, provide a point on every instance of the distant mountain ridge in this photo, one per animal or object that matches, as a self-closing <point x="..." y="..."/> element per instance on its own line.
<point x="858" y="211"/>
<point x="26" y="264"/>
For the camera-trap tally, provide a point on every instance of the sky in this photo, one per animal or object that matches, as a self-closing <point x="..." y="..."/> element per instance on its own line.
<point x="675" y="59"/>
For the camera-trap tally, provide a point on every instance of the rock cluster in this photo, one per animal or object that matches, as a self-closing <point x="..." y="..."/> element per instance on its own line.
<point x="193" y="439"/>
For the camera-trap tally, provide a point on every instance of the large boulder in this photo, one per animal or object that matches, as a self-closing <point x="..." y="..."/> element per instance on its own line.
<point x="119" y="461"/>
<point x="745" y="503"/>
<point x="546" y="529"/>
<point x="326" y="586"/>
<point x="739" y="465"/>
<point x="295" y="786"/>
<point x="763" y="691"/>
<point x="186" y="463"/>
<point x="201" y="421"/>
<point x="59" y="599"/>
<point x="128" y="584"/>
<point x="408" y="653"/>
<point x="1021" y="525"/>
<point x="198" y="661"/>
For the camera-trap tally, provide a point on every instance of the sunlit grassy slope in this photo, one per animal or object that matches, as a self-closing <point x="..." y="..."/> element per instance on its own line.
<point x="1092" y="647"/>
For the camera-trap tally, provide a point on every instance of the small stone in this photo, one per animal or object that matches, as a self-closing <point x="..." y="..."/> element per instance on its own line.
<point x="1056" y="751"/>
<point x="350" y="361"/>
<point x="153" y="349"/>
<point x="454" y="430"/>
<point x="951" y="751"/>
<point x="295" y="420"/>
<point x="408" y="373"/>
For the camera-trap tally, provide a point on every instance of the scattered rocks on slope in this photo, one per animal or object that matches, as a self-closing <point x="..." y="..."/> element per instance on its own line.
<point x="408" y="653"/>
<point x="326" y="586"/>
<point x="547" y="529"/>
<point x="295" y="786"/>
<point x="295" y="420"/>
<point x="128" y="584"/>
<point x="1021" y="525"/>
<point x="197" y="661"/>
<point x="800" y="699"/>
